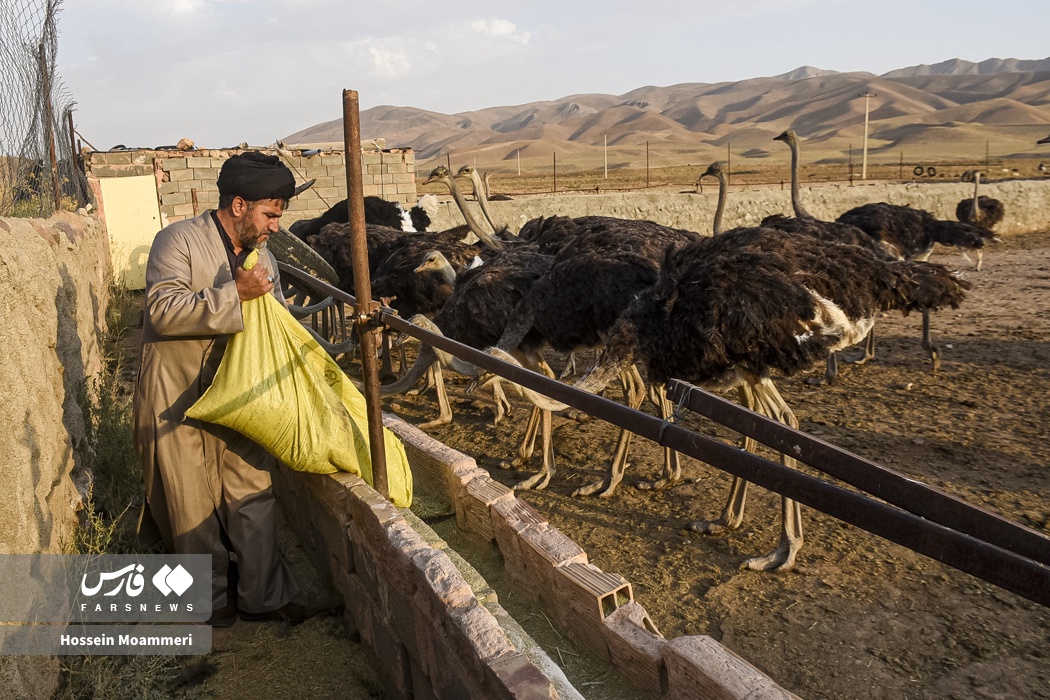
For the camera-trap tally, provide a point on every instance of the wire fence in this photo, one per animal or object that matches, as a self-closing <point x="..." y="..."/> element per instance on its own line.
<point x="40" y="168"/>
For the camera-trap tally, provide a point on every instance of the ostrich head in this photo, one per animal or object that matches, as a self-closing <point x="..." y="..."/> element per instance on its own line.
<point x="433" y="260"/>
<point x="438" y="174"/>
<point x="789" y="137"/>
<point x="714" y="170"/>
<point x="1041" y="141"/>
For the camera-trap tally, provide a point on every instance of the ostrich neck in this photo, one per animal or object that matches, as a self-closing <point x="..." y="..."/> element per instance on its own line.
<point x="480" y="232"/>
<point x="976" y="201"/>
<point x="796" y="202"/>
<point x="483" y="198"/>
<point x="447" y="272"/>
<point x="720" y="207"/>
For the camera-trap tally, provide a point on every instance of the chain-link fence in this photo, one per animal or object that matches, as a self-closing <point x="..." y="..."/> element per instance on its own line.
<point x="40" y="169"/>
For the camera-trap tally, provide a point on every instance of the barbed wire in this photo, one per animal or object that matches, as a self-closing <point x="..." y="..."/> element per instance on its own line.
<point x="40" y="170"/>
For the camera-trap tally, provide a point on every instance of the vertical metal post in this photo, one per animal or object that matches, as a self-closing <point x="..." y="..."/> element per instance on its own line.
<point x="647" y="164"/>
<point x="900" y="169"/>
<point x="851" y="165"/>
<point x="365" y="308"/>
<point x="864" y="158"/>
<point x="73" y="144"/>
<point x="555" y="172"/>
<point x="729" y="163"/>
<point x="986" y="156"/>
<point x="519" y="162"/>
<point x="606" y="156"/>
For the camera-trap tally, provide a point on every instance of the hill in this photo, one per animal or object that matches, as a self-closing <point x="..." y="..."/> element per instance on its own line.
<point x="954" y="109"/>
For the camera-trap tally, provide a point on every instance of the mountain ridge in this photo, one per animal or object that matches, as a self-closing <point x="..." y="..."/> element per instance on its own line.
<point x="1009" y="99"/>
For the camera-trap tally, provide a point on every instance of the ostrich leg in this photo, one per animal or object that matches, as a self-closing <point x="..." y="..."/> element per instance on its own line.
<point x="927" y="342"/>
<point x="831" y="371"/>
<point x="444" y="408"/>
<point x="634" y="392"/>
<point x="869" y="350"/>
<point x="783" y="557"/>
<point x="733" y="510"/>
<point x="542" y="420"/>
<point x="672" y="466"/>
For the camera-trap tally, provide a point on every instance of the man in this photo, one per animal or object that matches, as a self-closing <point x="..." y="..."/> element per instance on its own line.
<point x="208" y="488"/>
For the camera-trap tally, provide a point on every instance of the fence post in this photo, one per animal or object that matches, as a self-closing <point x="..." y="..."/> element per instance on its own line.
<point x="366" y="308"/>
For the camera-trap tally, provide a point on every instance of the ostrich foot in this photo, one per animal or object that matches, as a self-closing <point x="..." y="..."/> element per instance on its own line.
<point x="536" y="482"/>
<point x="780" y="559"/>
<point x="710" y="527"/>
<point x="820" y="381"/>
<point x="605" y="488"/>
<point x="658" y="485"/>
<point x="440" y="420"/>
<point x="858" y="360"/>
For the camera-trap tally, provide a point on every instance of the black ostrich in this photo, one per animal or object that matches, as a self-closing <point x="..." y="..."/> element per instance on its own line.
<point x="980" y="210"/>
<point x="910" y="234"/>
<point x="476" y="314"/>
<point x="734" y="310"/>
<point x="378" y="211"/>
<point x="600" y="265"/>
<point x="805" y="224"/>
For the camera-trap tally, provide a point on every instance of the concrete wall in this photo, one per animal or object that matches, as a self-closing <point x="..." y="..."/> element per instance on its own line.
<point x="186" y="179"/>
<point x="1027" y="204"/>
<point x="55" y="273"/>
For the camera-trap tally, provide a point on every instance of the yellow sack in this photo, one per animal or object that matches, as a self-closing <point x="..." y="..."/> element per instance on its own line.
<point x="277" y="386"/>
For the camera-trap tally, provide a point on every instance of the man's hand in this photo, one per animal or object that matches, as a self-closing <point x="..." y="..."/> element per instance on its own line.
<point x="253" y="283"/>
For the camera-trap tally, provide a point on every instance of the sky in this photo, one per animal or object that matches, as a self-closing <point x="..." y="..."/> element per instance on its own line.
<point x="146" y="73"/>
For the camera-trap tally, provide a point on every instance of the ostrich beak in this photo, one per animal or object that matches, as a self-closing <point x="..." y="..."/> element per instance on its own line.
<point x="1046" y="140"/>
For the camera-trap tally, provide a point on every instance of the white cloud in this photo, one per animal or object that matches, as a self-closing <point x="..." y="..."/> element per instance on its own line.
<point x="500" y="29"/>
<point x="389" y="62"/>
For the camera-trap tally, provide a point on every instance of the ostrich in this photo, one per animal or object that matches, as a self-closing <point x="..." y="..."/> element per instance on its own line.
<point x="480" y="192"/>
<point x="910" y="234"/>
<point x="731" y="311"/>
<point x="805" y="224"/>
<point x="715" y="170"/>
<point x="980" y="210"/>
<point x="442" y="175"/>
<point x="476" y="314"/>
<point x="601" y="264"/>
<point x="378" y="211"/>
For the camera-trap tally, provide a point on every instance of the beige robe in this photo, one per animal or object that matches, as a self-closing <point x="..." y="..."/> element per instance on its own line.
<point x="208" y="489"/>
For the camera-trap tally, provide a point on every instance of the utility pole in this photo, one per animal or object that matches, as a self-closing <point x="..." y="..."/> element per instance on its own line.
<point x="864" y="158"/>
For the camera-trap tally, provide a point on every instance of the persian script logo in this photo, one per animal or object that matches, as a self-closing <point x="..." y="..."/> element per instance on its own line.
<point x="130" y="579"/>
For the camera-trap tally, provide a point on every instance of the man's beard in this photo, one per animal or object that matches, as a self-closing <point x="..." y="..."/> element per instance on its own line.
<point x="248" y="233"/>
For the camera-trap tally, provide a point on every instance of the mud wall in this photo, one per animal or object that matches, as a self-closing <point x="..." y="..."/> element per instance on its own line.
<point x="1026" y="202"/>
<point x="55" y="275"/>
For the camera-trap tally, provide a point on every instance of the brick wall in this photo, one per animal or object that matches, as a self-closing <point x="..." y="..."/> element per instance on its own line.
<point x="186" y="179"/>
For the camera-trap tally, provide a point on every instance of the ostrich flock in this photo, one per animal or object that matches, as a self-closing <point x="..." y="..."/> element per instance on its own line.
<point x="728" y="310"/>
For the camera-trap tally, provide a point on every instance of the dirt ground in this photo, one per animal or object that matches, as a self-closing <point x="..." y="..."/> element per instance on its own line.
<point x="858" y="617"/>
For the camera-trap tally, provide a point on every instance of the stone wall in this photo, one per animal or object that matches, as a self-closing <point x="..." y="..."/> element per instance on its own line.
<point x="1027" y="204"/>
<point x="186" y="179"/>
<point x="56" y="276"/>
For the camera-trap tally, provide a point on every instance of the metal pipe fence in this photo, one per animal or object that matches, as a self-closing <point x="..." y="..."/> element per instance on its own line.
<point x="890" y="505"/>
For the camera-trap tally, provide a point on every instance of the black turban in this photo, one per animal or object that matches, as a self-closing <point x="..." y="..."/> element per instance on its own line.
<point x="254" y="176"/>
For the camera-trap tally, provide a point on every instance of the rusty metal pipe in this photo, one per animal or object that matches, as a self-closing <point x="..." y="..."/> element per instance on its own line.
<point x="365" y="309"/>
